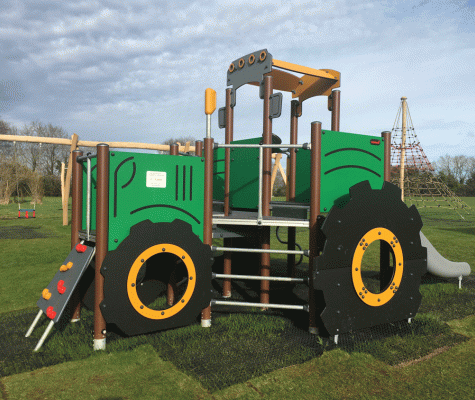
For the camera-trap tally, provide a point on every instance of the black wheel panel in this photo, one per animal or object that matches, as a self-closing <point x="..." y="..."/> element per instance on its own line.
<point x="342" y="308"/>
<point x="119" y="306"/>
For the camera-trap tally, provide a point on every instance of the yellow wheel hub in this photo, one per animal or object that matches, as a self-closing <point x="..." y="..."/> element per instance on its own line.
<point x="132" y="279"/>
<point x="377" y="299"/>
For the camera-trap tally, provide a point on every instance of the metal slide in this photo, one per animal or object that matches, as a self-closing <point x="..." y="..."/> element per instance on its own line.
<point x="440" y="266"/>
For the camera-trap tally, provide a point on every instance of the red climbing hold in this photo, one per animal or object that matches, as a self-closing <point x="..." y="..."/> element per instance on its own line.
<point x="50" y="313"/>
<point x="61" y="287"/>
<point x="81" y="248"/>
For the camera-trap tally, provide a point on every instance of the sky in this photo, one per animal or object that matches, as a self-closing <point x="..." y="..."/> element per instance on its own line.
<point x="137" y="70"/>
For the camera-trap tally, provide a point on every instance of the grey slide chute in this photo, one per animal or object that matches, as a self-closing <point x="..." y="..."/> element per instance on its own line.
<point x="440" y="266"/>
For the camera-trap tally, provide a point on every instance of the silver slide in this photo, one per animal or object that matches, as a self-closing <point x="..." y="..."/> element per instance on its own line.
<point x="440" y="266"/>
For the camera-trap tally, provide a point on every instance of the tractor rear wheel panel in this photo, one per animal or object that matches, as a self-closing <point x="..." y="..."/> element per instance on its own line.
<point x="369" y="215"/>
<point x="126" y="297"/>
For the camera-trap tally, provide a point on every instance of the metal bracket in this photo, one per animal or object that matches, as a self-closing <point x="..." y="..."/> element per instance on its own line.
<point x="222" y="117"/>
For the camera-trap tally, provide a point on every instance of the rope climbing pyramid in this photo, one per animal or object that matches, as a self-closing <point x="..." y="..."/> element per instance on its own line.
<point x="412" y="170"/>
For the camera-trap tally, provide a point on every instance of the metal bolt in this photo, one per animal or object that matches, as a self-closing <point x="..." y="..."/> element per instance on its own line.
<point x="191" y="278"/>
<point x="394" y="291"/>
<point x="141" y="307"/>
<point x="379" y="299"/>
<point x="142" y="260"/>
<point x="360" y="293"/>
<point x="379" y="233"/>
<point x="103" y="331"/>
<point x="356" y="269"/>
<point x="133" y="284"/>
<point x="163" y="312"/>
<point x="112" y="154"/>
<point x="363" y="240"/>
<point x="366" y="291"/>
<point x="182" y="257"/>
<point x="116" y="240"/>
<point x="163" y="249"/>
<point x="362" y="297"/>
<point x="182" y="301"/>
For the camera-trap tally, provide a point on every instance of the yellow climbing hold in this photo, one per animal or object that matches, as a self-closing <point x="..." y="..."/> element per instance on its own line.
<point x="64" y="268"/>
<point x="46" y="294"/>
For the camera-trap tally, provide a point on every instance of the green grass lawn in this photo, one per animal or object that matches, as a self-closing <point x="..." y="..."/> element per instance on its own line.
<point x="246" y="355"/>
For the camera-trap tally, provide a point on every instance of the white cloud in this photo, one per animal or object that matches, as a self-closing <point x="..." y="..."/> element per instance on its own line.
<point x="104" y="64"/>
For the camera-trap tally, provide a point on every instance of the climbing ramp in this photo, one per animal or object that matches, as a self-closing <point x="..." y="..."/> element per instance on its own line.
<point x="56" y="295"/>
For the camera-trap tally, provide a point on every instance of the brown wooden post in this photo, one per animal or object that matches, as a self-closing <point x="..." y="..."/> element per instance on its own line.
<point x="335" y="109"/>
<point x="315" y="175"/>
<point x="76" y="223"/>
<point x="385" y="269"/>
<point x="227" y="176"/>
<point x="295" y="112"/>
<point x="386" y="135"/>
<point x="102" y="237"/>
<point x="171" y="285"/>
<point x="208" y="213"/>
<point x="174" y="149"/>
<point x="266" y="188"/>
<point x="199" y="148"/>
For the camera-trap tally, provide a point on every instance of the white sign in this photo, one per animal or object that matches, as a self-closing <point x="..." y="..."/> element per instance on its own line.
<point x="156" y="179"/>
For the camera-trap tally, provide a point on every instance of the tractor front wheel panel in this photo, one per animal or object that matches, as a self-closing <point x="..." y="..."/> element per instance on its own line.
<point x="156" y="259"/>
<point x="345" y="302"/>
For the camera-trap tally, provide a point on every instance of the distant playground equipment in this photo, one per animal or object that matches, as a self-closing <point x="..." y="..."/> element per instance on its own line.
<point x="145" y="223"/>
<point x="32" y="211"/>
<point x="414" y="173"/>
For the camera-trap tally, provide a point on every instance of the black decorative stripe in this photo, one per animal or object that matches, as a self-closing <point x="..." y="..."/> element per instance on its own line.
<point x="217" y="173"/>
<point x="184" y="181"/>
<point x="219" y="160"/>
<point x="166" y="206"/>
<point x="353" y="149"/>
<point x="176" y="184"/>
<point x="132" y="178"/>
<point x="191" y="183"/>
<point x="353" y="166"/>
<point x="116" y="172"/>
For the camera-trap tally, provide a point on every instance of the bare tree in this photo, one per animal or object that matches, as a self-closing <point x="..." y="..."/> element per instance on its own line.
<point x="182" y="140"/>
<point x="54" y="154"/>
<point x="458" y="167"/>
<point x="6" y="148"/>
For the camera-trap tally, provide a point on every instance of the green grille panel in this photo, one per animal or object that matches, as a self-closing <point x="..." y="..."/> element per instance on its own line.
<point x="347" y="159"/>
<point x="160" y="188"/>
<point x="244" y="182"/>
<point x="218" y="174"/>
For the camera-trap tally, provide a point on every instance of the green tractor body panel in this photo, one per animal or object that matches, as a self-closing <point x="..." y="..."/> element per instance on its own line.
<point x="218" y="174"/>
<point x="160" y="188"/>
<point x="244" y="182"/>
<point x="346" y="159"/>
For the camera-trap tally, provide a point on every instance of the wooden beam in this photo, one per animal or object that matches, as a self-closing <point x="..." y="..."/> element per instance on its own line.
<point x="274" y="170"/>
<point x="86" y="143"/>
<point x="63" y="169"/>
<point x="67" y="183"/>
